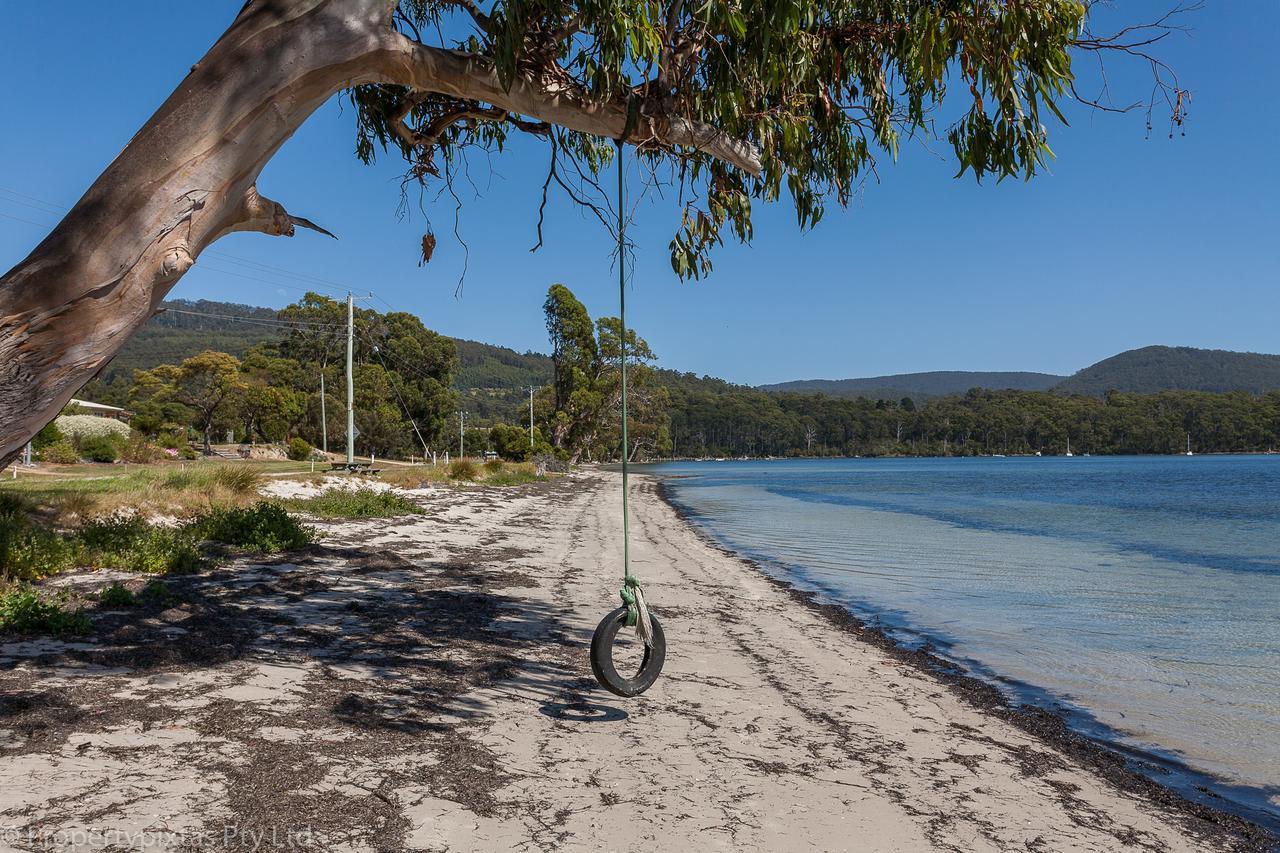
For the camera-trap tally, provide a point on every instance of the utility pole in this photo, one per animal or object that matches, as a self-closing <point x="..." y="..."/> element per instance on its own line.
<point x="351" y="387"/>
<point x="531" y="417"/>
<point x="351" y="383"/>
<point x="462" y="424"/>
<point x="324" y="422"/>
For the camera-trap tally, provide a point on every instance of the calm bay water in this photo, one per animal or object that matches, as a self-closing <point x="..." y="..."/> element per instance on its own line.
<point x="1139" y="594"/>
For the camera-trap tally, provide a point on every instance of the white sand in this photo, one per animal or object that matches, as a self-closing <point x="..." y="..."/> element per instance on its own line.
<point x="770" y="729"/>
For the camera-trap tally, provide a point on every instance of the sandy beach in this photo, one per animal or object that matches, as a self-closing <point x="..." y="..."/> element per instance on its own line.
<point x="423" y="684"/>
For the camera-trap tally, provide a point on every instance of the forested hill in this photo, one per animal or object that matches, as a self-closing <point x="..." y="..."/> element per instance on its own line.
<point x="188" y="327"/>
<point x="185" y="328"/>
<point x="488" y="366"/>
<point x="1159" y="368"/>
<point x="919" y="386"/>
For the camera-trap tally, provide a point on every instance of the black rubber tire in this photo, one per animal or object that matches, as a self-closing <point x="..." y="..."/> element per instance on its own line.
<point x="602" y="656"/>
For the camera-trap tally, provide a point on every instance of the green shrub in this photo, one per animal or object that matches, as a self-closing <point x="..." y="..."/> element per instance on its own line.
<point x="155" y="592"/>
<point x="510" y="441"/>
<point x="133" y="544"/>
<point x="240" y="479"/>
<point x="115" y="596"/>
<point x="140" y="451"/>
<point x="358" y="503"/>
<point x="28" y="550"/>
<point x="59" y="452"/>
<point x="23" y="610"/>
<point x="462" y="469"/>
<point x="47" y="436"/>
<point x="299" y="449"/>
<point x="265" y="527"/>
<point x="99" y="448"/>
<point x="493" y="466"/>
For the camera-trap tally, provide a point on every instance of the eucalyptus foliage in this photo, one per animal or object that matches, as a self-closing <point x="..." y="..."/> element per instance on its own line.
<point x="822" y="88"/>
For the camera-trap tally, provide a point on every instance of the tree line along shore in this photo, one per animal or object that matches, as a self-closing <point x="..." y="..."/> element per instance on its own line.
<point x="285" y="384"/>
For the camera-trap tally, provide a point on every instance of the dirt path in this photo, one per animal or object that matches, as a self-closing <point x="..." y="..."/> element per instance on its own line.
<point x="423" y="685"/>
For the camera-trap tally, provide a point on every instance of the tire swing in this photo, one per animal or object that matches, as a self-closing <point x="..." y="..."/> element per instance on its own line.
<point x="634" y="612"/>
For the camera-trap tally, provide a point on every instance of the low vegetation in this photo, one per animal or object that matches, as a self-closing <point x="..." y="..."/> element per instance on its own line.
<point x="509" y="474"/>
<point x="133" y="544"/>
<point x="466" y="471"/>
<point x="29" y="550"/>
<point x="463" y="469"/>
<point x="264" y="527"/>
<point x="25" y="610"/>
<point x="356" y="503"/>
<point x="154" y="490"/>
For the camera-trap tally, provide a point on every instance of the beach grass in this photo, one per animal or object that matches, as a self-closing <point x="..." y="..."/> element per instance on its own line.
<point x="463" y="472"/>
<point x="31" y="548"/>
<point x="355" y="503"/>
<point x="75" y="492"/>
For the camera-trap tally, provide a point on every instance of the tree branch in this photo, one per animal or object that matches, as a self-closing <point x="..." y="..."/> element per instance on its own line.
<point x="551" y="99"/>
<point x="261" y="214"/>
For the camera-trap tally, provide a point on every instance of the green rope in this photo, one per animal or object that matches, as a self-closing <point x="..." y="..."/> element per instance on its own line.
<point x="631" y="593"/>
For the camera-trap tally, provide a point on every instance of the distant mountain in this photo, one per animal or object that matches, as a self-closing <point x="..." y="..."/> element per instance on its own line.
<point x="495" y="376"/>
<point x="920" y="386"/>
<point x="1159" y="368"/>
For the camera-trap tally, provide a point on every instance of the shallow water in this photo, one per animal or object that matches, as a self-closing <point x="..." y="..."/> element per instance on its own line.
<point x="1140" y="594"/>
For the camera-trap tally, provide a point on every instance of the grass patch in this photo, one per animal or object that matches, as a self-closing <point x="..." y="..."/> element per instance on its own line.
<point x="164" y="489"/>
<point x="24" y="610"/>
<point x="264" y="527"/>
<point x="238" y="479"/>
<point x="358" y="503"/>
<point x="31" y="550"/>
<point x="463" y="469"/>
<point x="495" y="472"/>
<point x="513" y="474"/>
<point x="136" y="545"/>
<point x="116" y="596"/>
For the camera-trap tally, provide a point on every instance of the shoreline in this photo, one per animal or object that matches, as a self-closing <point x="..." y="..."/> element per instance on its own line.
<point x="423" y="683"/>
<point x="1106" y="758"/>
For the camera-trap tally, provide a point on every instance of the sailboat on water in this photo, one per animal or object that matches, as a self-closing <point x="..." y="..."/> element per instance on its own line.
<point x="1189" y="453"/>
<point x="1069" y="453"/>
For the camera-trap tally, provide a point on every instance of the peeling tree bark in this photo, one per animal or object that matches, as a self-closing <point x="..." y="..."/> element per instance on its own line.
<point x="188" y="177"/>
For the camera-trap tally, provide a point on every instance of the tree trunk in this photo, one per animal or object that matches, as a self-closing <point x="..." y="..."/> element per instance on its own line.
<point x="188" y="177"/>
<point x="185" y="179"/>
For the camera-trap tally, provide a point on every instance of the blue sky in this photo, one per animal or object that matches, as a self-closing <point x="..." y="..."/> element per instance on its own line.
<point x="1129" y="241"/>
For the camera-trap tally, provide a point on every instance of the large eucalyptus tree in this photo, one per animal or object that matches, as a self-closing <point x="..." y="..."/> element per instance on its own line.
<point x="739" y="99"/>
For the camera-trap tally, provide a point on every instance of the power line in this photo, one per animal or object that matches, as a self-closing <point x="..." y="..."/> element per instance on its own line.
<point x="285" y="324"/>
<point x="56" y="207"/>
<point x="407" y="414"/>
<point x="20" y="219"/>
<point x="258" y="266"/>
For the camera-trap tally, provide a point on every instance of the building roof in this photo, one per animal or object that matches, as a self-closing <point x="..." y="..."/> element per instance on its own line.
<point x="94" y="407"/>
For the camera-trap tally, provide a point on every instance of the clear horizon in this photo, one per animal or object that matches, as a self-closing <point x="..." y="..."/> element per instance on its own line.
<point x="1129" y="241"/>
